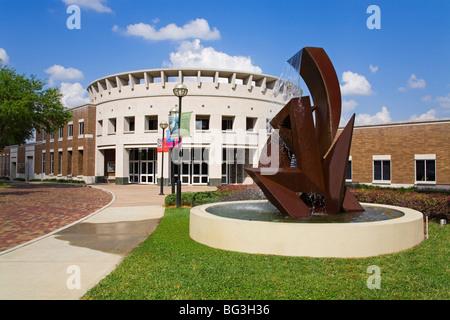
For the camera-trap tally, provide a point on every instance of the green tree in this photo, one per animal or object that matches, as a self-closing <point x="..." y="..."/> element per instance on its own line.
<point x="25" y="105"/>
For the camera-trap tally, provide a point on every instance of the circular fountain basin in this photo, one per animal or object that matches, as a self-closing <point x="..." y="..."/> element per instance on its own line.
<point x="220" y="225"/>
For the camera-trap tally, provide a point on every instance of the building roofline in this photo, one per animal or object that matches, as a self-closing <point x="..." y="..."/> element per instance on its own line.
<point x="402" y="123"/>
<point x="189" y="72"/>
<point x="82" y="106"/>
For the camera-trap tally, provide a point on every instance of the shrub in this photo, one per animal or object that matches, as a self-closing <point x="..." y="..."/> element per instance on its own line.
<point x="434" y="205"/>
<point x="192" y="199"/>
<point x="63" y="181"/>
<point x="223" y="193"/>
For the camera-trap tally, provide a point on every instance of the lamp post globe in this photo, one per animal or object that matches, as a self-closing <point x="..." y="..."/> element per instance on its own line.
<point x="180" y="90"/>
<point x="163" y="124"/>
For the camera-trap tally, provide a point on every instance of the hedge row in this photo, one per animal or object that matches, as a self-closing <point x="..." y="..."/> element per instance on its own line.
<point x="434" y="205"/>
<point x="223" y="193"/>
<point x="192" y="199"/>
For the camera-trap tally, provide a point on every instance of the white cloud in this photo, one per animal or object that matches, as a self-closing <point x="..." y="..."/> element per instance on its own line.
<point x="58" y="73"/>
<point x="382" y="116"/>
<point x="73" y="94"/>
<point x="191" y="54"/>
<point x="198" y="28"/>
<point x="373" y="69"/>
<point x="444" y="102"/>
<point x="414" y="83"/>
<point x="4" y="56"/>
<point x="431" y="114"/>
<point x="96" y="5"/>
<point x="355" y="84"/>
<point x="427" y="99"/>
<point x="348" y="105"/>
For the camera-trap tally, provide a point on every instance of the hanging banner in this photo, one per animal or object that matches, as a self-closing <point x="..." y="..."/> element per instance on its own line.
<point x="169" y="141"/>
<point x="162" y="146"/>
<point x="185" y="124"/>
<point x="172" y="140"/>
<point x="173" y="125"/>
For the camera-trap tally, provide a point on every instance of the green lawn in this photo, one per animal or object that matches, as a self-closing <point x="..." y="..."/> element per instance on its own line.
<point x="169" y="265"/>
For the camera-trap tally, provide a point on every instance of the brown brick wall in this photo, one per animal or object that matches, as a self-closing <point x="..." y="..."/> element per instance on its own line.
<point x="76" y="162"/>
<point x="401" y="142"/>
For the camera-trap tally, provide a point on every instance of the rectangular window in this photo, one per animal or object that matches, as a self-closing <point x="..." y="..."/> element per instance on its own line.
<point x="151" y="123"/>
<point x="112" y="126"/>
<point x="129" y="124"/>
<point x="80" y="162"/>
<point x="70" y="129"/>
<point x="81" y="128"/>
<point x="61" y="133"/>
<point x="99" y="127"/>
<point x="425" y="168"/>
<point x="202" y="122"/>
<point x="227" y="123"/>
<point x="250" y="124"/>
<point x="381" y="169"/>
<point x="44" y="135"/>
<point x="43" y="162"/>
<point x="52" y="137"/>
<point x="52" y="162"/>
<point x="60" y="157"/>
<point x="69" y="162"/>
<point x="348" y="174"/>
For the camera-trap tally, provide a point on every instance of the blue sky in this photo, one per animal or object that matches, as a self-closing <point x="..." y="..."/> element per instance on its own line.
<point x="399" y="72"/>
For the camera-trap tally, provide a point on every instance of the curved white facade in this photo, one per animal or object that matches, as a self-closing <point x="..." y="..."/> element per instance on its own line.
<point x="230" y="112"/>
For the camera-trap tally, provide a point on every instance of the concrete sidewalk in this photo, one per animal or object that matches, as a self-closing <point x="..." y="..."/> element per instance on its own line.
<point x="67" y="263"/>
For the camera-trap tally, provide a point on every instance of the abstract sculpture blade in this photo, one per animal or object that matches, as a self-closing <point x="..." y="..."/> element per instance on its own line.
<point x="321" y="155"/>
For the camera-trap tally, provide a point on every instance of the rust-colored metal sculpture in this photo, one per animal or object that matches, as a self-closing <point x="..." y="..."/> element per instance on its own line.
<point x="317" y="183"/>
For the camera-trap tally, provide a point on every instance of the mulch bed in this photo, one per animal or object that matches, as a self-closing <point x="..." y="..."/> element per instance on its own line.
<point x="31" y="210"/>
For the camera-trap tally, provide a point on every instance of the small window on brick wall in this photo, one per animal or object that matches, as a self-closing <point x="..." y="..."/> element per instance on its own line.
<point x="425" y="165"/>
<point x="348" y="173"/>
<point x="381" y="169"/>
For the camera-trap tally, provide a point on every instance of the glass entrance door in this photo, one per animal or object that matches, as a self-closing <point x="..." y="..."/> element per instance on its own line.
<point x="134" y="171"/>
<point x="143" y="166"/>
<point x="148" y="172"/>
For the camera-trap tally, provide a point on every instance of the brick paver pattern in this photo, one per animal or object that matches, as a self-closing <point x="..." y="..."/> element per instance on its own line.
<point x="31" y="210"/>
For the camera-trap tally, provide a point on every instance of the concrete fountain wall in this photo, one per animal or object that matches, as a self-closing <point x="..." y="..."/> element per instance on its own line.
<point x="341" y="240"/>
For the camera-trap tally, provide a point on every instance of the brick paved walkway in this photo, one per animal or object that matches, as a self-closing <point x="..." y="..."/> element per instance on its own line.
<point x="31" y="210"/>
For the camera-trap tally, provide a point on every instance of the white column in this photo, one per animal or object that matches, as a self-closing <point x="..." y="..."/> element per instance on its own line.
<point x="122" y="164"/>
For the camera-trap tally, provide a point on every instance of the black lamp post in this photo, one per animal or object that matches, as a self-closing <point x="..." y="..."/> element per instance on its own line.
<point x="163" y="126"/>
<point x="180" y="91"/>
<point x="172" y="111"/>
